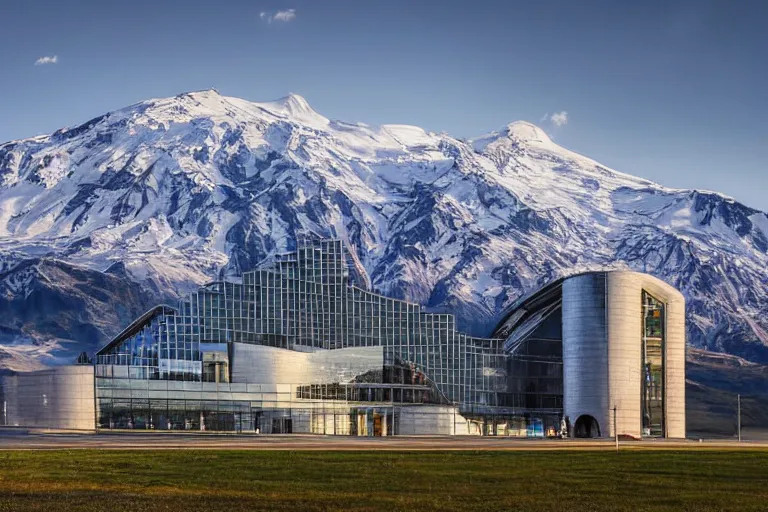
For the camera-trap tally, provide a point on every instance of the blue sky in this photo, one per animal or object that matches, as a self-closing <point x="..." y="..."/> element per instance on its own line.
<point x="674" y="91"/>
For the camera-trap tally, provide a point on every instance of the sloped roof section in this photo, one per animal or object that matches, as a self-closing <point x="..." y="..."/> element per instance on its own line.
<point x="137" y="324"/>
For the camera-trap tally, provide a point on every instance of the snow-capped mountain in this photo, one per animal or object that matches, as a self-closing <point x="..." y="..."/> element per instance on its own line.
<point x="147" y="202"/>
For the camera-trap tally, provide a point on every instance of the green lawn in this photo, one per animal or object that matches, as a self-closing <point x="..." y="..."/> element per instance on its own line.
<point x="260" y="480"/>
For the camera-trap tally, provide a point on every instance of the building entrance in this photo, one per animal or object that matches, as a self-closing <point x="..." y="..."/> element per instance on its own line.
<point x="586" y="426"/>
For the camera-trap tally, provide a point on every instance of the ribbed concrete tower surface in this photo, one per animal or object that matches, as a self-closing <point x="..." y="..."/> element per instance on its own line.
<point x="603" y="363"/>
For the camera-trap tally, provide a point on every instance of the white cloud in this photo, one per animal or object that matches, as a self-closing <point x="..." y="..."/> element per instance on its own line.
<point x="559" y="118"/>
<point x="284" y="16"/>
<point x="42" y="61"/>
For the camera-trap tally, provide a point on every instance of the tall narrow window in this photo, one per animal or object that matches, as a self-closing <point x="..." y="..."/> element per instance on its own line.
<point x="653" y="339"/>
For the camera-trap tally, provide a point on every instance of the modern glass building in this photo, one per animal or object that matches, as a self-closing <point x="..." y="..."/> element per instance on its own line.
<point x="301" y="345"/>
<point x="225" y="358"/>
<point x="621" y="339"/>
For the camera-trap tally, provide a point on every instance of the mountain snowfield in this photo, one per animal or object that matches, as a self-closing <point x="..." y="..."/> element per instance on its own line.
<point x="146" y="203"/>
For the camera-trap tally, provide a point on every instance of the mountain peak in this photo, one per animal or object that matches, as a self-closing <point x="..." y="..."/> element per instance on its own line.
<point x="526" y="131"/>
<point x="293" y="104"/>
<point x="202" y="93"/>
<point x="516" y="130"/>
<point x="294" y="100"/>
<point x="209" y="102"/>
<point x="296" y="106"/>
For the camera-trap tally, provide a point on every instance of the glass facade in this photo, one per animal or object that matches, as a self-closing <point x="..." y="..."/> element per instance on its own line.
<point x="535" y="370"/>
<point x="309" y="300"/>
<point x="313" y="299"/>
<point x="653" y="339"/>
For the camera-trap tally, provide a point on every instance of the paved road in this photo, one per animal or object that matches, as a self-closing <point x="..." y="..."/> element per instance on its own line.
<point x="11" y="439"/>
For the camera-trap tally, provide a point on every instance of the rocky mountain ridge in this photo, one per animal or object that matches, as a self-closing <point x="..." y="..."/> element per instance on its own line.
<point x="165" y="195"/>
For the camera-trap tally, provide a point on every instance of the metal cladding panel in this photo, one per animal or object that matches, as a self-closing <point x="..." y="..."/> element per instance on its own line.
<point x="266" y="365"/>
<point x="58" y="398"/>
<point x="585" y="349"/>
<point x="269" y="365"/>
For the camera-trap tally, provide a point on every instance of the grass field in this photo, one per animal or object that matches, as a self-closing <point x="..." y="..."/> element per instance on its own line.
<point x="423" y="481"/>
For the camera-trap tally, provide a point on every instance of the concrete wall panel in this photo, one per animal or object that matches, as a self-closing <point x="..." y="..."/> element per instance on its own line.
<point x="56" y="398"/>
<point x="624" y="308"/>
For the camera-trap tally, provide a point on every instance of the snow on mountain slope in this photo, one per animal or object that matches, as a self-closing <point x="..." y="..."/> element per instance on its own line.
<point x="182" y="190"/>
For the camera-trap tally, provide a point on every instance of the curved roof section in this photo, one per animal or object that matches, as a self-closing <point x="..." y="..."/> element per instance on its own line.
<point x="520" y="310"/>
<point x="136" y="325"/>
<point x="545" y="296"/>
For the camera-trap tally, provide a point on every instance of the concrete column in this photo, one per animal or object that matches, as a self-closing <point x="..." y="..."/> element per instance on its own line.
<point x="624" y="313"/>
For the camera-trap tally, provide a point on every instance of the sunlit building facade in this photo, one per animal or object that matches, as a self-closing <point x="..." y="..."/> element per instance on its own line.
<point x="302" y="345"/>
<point x="620" y="337"/>
<point x="298" y="345"/>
